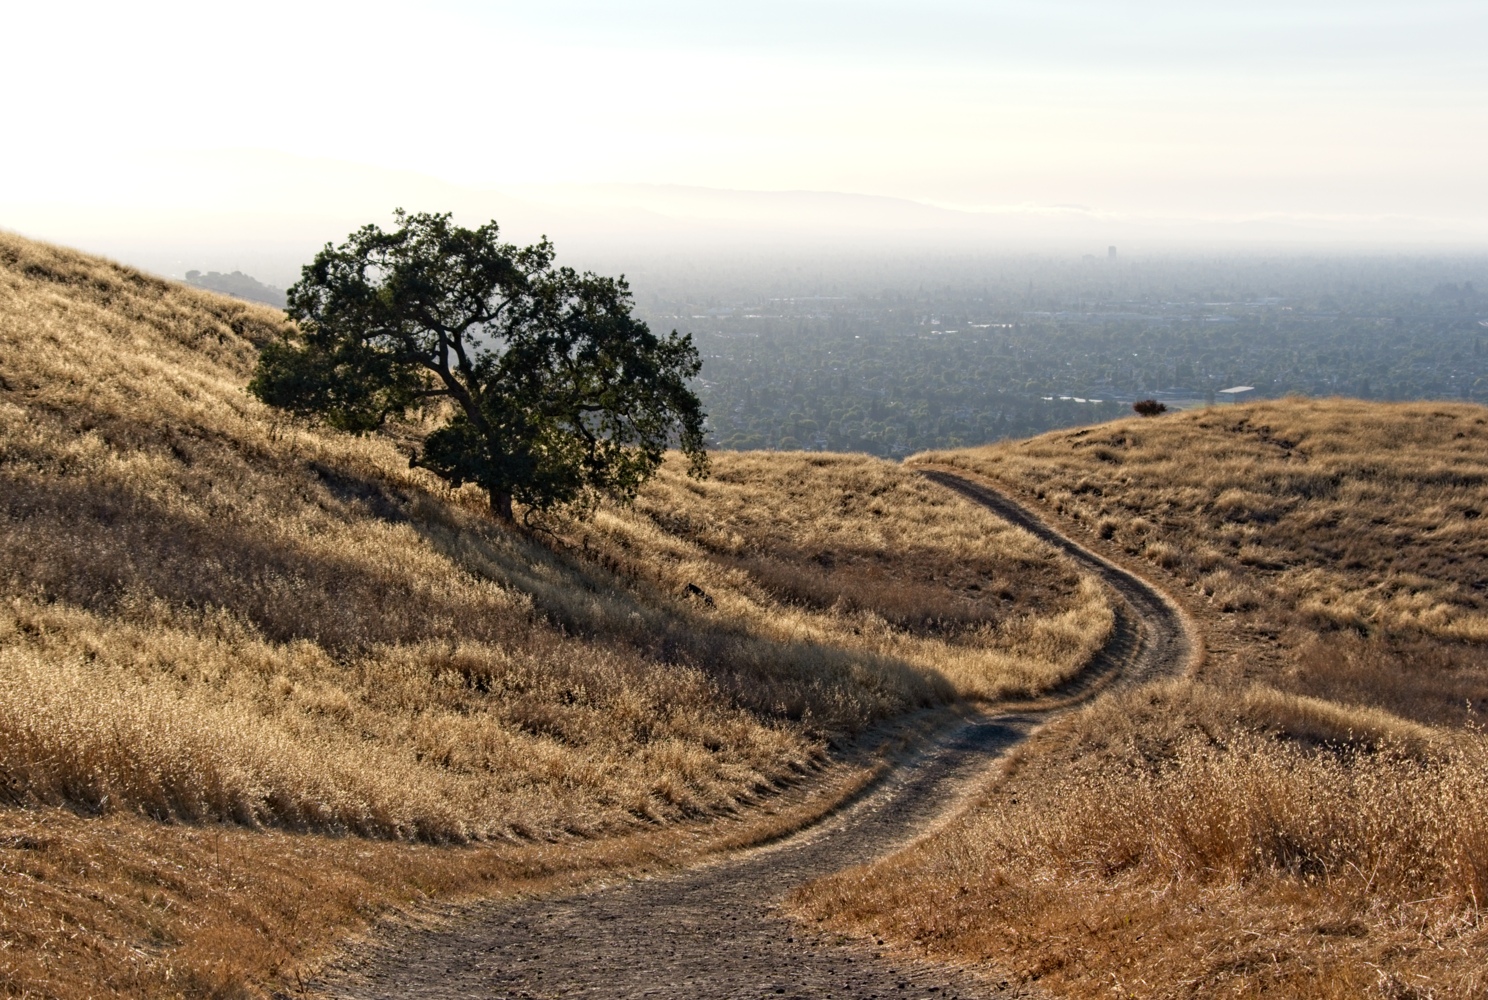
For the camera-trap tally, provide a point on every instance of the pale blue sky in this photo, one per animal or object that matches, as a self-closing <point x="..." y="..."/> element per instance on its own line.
<point x="1301" y="37"/>
<point x="1355" y="111"/>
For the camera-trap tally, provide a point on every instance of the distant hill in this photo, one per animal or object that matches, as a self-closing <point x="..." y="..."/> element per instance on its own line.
<point x="239" y="286"/>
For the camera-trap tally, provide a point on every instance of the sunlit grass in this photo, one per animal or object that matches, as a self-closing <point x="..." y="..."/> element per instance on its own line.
<point x="1304" y="819"/>
<point x="211" y="615"/>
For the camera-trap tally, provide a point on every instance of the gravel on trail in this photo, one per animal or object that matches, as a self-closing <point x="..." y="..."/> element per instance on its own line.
<point x="716" y="930"/>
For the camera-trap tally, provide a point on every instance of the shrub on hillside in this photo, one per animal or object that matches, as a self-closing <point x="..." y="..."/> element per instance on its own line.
<point x="1149" y="407"/>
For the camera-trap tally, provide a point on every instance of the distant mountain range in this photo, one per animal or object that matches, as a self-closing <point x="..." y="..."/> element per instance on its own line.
<point x="269" y="212"/>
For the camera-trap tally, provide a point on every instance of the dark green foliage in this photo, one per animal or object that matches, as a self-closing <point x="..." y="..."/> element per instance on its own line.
<point x="554" y="393"/>
<point x="352" y="386"/>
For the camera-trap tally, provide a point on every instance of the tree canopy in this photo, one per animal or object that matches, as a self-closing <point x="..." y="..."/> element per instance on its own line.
<point x="548" y="390"/>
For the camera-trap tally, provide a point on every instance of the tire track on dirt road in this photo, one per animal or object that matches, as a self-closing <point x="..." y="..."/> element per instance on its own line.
<point x="715" y="930"/>
<point x="1170" y="642"/>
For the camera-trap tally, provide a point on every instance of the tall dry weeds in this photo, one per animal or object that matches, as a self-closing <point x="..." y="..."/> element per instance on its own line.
<point x="1185" y="841"/>
<point x="1306" y="822"/>
<point x="209" y="613"/>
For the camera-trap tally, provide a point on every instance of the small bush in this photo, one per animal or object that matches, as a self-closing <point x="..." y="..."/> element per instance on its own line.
<point x="1149" y="407"/>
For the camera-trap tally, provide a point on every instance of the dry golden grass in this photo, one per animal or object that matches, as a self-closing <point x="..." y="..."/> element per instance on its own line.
<point x="1347" y="514"/>
<point x="1303" y="820"/>
<point x="1164" y="846"/>
<point x="120" y="905"/>
<point x="1344" y="542"/>
<point x="850" y="553"/>
<point x="210" y="615"/>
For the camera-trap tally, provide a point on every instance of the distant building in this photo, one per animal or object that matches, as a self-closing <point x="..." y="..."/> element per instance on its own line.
<point x="1110" y="253"/>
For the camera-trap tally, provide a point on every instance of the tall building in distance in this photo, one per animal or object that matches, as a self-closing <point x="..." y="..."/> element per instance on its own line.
<point x="1110" y="253"/>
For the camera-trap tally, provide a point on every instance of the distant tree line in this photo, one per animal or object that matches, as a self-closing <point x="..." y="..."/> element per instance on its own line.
<point x="238" y="285"/>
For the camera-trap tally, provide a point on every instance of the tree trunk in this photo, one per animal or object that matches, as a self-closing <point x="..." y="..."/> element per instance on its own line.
<point x="501" y="505"/>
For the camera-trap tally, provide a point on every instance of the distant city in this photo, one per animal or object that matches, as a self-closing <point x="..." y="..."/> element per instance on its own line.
<point x="1035" y="346"/>
<point x="893" y="357"/>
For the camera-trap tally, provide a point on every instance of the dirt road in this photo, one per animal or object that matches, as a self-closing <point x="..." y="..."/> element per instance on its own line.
<point x="1167" y="643"/>
<point x="715" y="931"/>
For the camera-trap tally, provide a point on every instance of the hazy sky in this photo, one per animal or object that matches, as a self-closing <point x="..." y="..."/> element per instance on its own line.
<point x="1362" y="111"/>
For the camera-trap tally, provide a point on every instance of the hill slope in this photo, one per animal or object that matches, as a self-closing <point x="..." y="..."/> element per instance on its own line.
<point x="1304" y="817"/>
<point x="214" y="619"/>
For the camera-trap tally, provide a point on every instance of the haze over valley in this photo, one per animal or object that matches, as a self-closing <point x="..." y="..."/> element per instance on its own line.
<point x="806" y="498"/>
<point x="897" y="357"/>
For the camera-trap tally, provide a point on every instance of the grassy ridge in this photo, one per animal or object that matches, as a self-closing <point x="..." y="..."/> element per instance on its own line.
<point x="284" y="626"/>
<point x="1344" y="540"/>
<point x="1304" y="817"/>
<point x="851" y="553"/>
<point x="210" y="615"/>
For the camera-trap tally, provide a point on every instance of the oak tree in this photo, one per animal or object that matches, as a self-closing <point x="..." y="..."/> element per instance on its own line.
<point x="545" y="389"/>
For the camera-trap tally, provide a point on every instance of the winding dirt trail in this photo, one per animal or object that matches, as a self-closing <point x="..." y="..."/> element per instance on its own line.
<point x="715" y="930"/>
<point x="1166" y="643"/>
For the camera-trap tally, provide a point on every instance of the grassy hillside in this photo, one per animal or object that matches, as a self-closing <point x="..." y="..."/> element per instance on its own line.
<point x="213" y="619"/>
<point x="1303" y="818"/>
<point x="1344" y="540"/>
